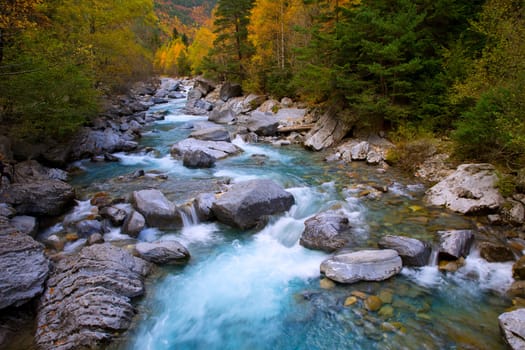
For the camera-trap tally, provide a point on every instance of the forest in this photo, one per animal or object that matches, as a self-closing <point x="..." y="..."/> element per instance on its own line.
<point x="452" y="70"/>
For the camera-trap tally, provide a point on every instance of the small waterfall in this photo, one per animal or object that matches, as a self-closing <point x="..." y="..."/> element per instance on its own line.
<point x="189" y="215"/>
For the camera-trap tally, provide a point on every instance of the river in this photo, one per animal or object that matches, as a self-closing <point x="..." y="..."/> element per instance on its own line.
<point x="260" y="289"/>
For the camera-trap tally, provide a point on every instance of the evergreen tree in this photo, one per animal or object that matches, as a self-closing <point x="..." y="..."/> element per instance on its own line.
<point x="232" y="49"/>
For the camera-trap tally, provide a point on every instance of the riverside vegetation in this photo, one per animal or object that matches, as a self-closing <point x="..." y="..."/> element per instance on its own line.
<point x="443" y="80"/>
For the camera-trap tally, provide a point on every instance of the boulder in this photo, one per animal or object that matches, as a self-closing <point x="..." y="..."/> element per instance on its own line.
<point x="364" y="265"/>
<point x="163" y="252"/>
<point x="493" y="252"/>
<point x="252" y="102"/>
<point x="246" y="203"/>
<point x="156" y="209"/>
<point x="512" y="326"/>
<point x="95" y="238"/>
<point x="222" y="116"/>
<point x="217" y="133"/>
<point x="88" y="298"/>
<point x="326" y="231"/>
<point x="31" y="170"/>
<point x="23" y="264"/>
<point x="513" y="212"/>
<point x="7" y="210"/>
<point x="229" y="90"/>
<point x="290" y="116"/>
<point x="263" y="124"/>
<point x="198" y="159"/>
<point x="133" y="224"/>
<point x="203" y="204"/>
<point x="328" y="131"/>
<point x="286" y="102"/>
<point x="25" y="224"/>
<point x="412" y="251"/>
<point x="89" y="143"/>
<point x="42" y="197"/>
<point x="217" y="149"/>
<point x="454" y="244"/>
<point x="374" y="158"/>
<point x="204" y="85"/>
<point x="360" y="151"/>
<point x="113" y="214"/>
<point x="471" y="189"/>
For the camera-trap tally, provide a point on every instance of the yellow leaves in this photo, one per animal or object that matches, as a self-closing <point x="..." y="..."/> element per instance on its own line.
<point x="167" y="56"/>
<point x="201" y="45"/>
<point x="15" y="14"/>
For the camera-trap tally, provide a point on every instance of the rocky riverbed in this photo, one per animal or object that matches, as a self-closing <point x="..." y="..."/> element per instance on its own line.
<point x="83" y="274"/>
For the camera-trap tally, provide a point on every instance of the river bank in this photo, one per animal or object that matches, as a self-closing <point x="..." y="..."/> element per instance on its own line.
<point x="373" y="200"/>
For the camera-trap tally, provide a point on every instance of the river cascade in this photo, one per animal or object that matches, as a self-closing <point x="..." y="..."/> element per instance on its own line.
<point x="257" y="287"/>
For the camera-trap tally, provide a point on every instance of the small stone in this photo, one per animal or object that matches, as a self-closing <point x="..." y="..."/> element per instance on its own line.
<point x="451" y="266"/>
<point x="386" y="311"/>
<point x="95" y="238"/>
<point x="373" y="303"/>
<point x="359" y="294"/>
<point x="386" y="296"/>
<point x="350" y="301"/>
<point x="71" y="237"/>
<point x="326" y="283"/>
<point x="388" y="327"/>
<point x="423" y="316"/>
<point x="415" y="208"/>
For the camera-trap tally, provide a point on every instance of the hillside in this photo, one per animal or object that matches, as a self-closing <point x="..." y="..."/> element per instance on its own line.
<point x="183" y="14"/>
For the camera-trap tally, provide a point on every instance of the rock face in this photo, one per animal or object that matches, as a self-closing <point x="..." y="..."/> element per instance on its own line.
<point x="217" y="133"/>
<point x="41" y="197"/>
<point x="88" y="298"/>
<point x="326" y="231"/>
<point x="217" y="149"/>
<point x="454" y="244"/>
<point x="23" y="264"/>
<point x="245" y="204"/>
<point x="412" y="251"/>
<point x="198" y="159"/>
<point x="164" y="252"/>
<point x="327" y="131"/>
<point x="156" y="208"/>
<point x="471" y="189"/>
<point x="263" y="124"/>
<point x="512" y="325"/>
<point x="365" y="265"/>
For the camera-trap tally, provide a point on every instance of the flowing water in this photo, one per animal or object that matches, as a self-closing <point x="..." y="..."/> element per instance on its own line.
<point x="260" y="289"/>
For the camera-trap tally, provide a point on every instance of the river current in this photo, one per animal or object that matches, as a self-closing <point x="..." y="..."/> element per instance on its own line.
<point x="260" y="289"/>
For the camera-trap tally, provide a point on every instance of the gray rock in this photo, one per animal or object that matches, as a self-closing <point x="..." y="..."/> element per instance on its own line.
<point x="360" y="151"/>
<point x="471" y="189"/>
<point x="95" y="238"/>
<point x="364" y="265"/>
<point x="203" y="105"/>
<point x="246" y="203"/>
<point x="252" y="102"/>
<point x="198" y="159"/>
<point x="263" y="124"/>
<point x="176" y="95"/>
<point x="89" y="143"/>
<point x="115" y="215"/>
<point x="328" y="131"/>
<point x="217" y="149"/>
<point x="513" y="212"/>
<point x="222" y="116"/>
<point x="217" y="133"/>
<point x="326" y="231"/>
<point x="286" y="102"/>
<point x="86" y="228"/>
<point x="512" y="326"/>
<point x="229" y="90"/>
<point x="88" y="298"/>
<point x="412" y="251"/>
<point x="156" y="209"/>
<point x="163" y="252"/>
<point x="203" y="204"/>
<point x="204" y="85"/>
<point x="374" y="158"/>
<point x="289" y="116"/>
<point x="23" y="264"/>
<point x="454" y="244"/>
<point x="43" y="197"/>
<point x="133" y="224"/>
<point x="25" y="224"/>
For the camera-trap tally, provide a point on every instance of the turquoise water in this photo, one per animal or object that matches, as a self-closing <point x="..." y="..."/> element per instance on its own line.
<point x="261" y="290"/>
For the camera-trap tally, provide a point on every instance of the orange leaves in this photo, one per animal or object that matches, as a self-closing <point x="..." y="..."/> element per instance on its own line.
<point x="16" y="14"/>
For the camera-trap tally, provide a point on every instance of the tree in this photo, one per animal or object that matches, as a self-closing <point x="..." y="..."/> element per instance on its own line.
<point x="200" y="47"/>
<point x="232" y="49"/>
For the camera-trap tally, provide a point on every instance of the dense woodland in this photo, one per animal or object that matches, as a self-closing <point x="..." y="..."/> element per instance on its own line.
<point x="433" y="69"/>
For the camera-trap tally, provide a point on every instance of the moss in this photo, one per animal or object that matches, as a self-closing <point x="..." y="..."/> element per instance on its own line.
<point x="506" y="184"/>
